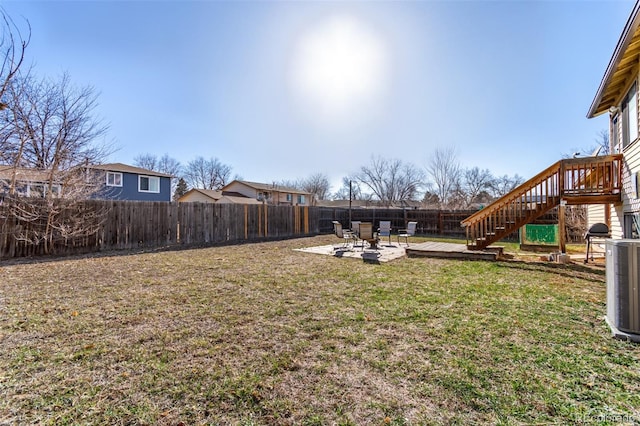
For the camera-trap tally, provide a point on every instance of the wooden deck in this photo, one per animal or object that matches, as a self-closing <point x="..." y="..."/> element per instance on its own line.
<point x="574" y="181"/>
<point x="452" y="251"/>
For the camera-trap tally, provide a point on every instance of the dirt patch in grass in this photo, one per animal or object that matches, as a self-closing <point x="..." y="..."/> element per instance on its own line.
<point x="263" y="334"/>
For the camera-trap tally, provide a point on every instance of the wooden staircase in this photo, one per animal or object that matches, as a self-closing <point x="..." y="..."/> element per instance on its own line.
<point x="589" y="180"/>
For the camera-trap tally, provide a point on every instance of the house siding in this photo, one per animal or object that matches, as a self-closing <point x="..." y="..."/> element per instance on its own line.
<point x="243" y="189"/>
<point x="196" y="197"/>
<point x="620" y="75"/>
<point x="238" y="200"/>
<point x="282" y="198"/>
<point x="278" y="196"/>
<point x="595" y="214"/>
<point x="631" y="166"/>
<point x="630" y="199"/>
<point x="129" y="190"/>
<point x="617" y="221"/>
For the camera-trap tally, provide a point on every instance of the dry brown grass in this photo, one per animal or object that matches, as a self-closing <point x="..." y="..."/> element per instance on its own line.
<point x="262" y="334"/>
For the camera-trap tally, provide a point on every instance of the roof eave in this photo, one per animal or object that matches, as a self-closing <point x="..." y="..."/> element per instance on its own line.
<point x="625" y="38"/>
<point x="268" y="187"/>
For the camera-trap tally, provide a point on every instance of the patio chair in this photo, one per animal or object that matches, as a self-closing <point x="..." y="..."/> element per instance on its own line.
<point x="410" y="231"/>
<point x="385" y="229"/>
<point x="346" y="236"/>
<point x="355" y="226"/>
<point x="355" y="230"/>
<point x="366" y="234"/>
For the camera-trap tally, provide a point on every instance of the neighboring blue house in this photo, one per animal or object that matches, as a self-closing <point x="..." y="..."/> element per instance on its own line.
<point x="123" y="182"/>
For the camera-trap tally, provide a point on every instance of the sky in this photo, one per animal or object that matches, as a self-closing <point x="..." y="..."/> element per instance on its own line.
<point x="281" y="90"/>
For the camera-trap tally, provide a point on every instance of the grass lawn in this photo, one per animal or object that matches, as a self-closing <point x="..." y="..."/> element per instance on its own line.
<point x="262" y="334"/>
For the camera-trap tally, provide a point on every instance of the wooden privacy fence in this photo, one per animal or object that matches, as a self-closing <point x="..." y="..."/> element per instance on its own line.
<point x="133" y="224"/>
<point x="430" y="222"/>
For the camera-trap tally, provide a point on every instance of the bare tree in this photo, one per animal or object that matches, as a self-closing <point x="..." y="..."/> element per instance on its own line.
<point x="350" y="185"/>
<point x="445" y="171"/>
<point x="146" y="161"/>
<point x="576" y="220"/>
<point x="165" y="164"/>
<point x="50" y="128"/>
<point x="475" y="183"/>
<point x="602" y="143"/>
<point x="293" y="184"/>
<point x="502" y="185"/>
<point x="430" y="199"/>
<point x="169" y="165"/>
<point x="391" y="181"/>
<point x="47" y="126"/>
<point x="207" y="174"/>
<point x="13" y="45"/>
<point x="59" y="213"/>
<point x="601" y="146"/>
<point x="317" y="185"/>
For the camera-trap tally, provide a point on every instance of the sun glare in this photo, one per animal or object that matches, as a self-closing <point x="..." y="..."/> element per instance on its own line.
<point x="339" y="66"/>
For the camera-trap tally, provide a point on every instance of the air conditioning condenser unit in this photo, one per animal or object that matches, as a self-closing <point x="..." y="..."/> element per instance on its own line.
<point x="623" y="288"/>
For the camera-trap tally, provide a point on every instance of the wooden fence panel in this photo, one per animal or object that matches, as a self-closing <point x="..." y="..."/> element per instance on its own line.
<point x="430" y="222"/>
<point x="129" y="224"/>
<point x="184" y="222"/>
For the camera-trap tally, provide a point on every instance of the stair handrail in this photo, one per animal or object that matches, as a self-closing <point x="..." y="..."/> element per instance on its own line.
<point x="557" y="167"/>
<point x="514" y="193"/>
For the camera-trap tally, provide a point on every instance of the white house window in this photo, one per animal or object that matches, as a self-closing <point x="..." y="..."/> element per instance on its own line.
<point x="301" y="199"/>
<point x="40" y="190"/>
<point x="149" y="184"/>
<point x="35" y="190"/>
<point x="615" y="139"/>
<point x="289" y="198"/>
<point x="114" y="179"/>
<point x="630" y="117"/>
<point x="632" y="225"/>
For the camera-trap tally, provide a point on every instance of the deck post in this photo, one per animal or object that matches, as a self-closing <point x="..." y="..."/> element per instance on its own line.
<point x="562" y="235"/>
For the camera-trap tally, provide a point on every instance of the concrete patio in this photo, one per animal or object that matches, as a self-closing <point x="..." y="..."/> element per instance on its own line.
<point x="384" y="253"/>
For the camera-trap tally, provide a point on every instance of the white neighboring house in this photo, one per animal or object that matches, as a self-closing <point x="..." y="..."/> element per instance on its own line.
<point x="269" y="193"/>
<point x="28" y="182"/>
<point x="196" y="195"/>
<point x="618" y="96"/>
